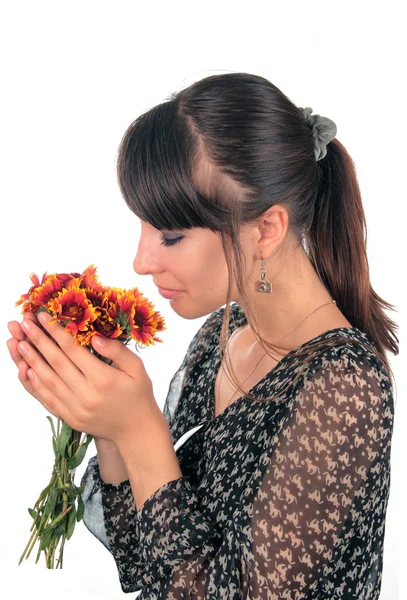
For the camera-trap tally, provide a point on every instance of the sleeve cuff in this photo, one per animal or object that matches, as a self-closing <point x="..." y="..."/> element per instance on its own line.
<point x="171" y="527"/>
<point x="120" y="488"/>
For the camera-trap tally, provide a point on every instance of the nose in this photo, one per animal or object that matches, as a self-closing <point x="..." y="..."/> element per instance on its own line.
<point x="147" y="260"/>
<point x="142" y="262"/>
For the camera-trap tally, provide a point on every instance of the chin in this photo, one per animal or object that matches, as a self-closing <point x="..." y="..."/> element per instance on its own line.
<point x="192" y="310"/>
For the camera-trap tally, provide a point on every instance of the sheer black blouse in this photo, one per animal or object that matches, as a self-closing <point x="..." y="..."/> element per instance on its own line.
<point x="281" y="499"/>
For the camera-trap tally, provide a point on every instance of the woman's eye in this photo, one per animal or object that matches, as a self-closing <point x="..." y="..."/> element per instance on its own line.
<point x="170" y="241"/>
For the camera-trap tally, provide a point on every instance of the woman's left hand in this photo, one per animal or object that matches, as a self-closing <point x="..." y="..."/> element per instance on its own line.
<point x="89" y="395"/>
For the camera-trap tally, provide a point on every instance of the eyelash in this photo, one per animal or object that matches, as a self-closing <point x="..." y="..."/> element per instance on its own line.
<point x="170" y="242"/>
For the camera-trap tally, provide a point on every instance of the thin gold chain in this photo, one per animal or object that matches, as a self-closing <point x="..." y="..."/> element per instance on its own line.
<point x="257" y="364"/>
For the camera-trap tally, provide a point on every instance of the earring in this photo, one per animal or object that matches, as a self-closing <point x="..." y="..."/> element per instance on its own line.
<point x="263" y="285"/>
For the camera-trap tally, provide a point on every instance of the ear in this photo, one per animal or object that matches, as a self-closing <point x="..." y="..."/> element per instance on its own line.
<point x="271" y="230"/>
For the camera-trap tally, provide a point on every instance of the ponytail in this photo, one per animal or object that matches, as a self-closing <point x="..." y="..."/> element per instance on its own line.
<point x="336" y="242"/>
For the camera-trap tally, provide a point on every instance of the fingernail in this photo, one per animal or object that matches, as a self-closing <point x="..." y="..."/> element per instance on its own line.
<point x="25" y="325"/>
<point x="22" y="348"/>
<point x="99" y="341"/>
<point x="43" y="317"/>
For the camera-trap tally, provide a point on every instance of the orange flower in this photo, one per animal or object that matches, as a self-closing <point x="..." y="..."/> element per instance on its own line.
<point x="87" y="279"/>
<point x="72" y="308"/>
<point x="97" y="299"/>
<point x="143" y="320"/>
<point x="46" y="292"/>
<point x="83" y="338"/>
<point x="25" y="298"/>
<point x="107" y="327"/>
<point x="86" y="308"/>
<point x="112" y="293"/>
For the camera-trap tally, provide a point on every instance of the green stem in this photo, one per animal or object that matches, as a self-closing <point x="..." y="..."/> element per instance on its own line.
<point x="35" y="533"/>
<point x="61" y="550"/>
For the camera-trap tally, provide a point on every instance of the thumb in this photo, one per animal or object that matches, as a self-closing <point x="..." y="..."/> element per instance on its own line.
<point x="123" y="358"/>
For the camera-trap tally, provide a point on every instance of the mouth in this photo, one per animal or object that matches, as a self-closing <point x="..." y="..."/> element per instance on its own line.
<point x="167" y="289"/>
<point x="169" y="294"/>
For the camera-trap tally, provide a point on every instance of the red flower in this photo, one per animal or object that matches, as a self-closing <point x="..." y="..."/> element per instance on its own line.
<point x="73" y="309"/>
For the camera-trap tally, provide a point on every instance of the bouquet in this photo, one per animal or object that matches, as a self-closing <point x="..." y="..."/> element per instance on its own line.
<point x="85" y="308"/>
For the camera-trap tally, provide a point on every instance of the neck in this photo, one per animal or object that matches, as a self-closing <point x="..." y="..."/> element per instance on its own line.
<point x="297" y="291"/>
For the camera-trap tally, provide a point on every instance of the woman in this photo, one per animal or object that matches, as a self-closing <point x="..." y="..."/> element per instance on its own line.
<point x="282" y="409"/>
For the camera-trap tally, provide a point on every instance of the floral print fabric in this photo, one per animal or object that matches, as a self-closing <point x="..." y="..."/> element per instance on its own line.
<point x="280" y="499"/>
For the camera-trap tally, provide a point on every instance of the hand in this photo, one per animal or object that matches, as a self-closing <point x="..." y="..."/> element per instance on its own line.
<point x="103" y="443"/>
<point x="23" y="366"/>
<point x="89" y="395"/>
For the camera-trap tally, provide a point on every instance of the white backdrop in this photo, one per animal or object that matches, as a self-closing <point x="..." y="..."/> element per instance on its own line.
<point x="74" y="75"/>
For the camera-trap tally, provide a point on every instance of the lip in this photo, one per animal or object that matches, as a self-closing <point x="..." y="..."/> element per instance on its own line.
<point x="169" y="293"/>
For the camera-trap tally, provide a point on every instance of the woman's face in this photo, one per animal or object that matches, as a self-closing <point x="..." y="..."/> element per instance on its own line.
<point x="195" y="264"/>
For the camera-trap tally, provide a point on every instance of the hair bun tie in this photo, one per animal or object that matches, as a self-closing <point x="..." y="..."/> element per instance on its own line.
<point x="323" y="131"/>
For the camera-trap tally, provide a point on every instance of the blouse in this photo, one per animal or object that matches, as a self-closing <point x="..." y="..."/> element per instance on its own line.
<point x="278" y="499"/>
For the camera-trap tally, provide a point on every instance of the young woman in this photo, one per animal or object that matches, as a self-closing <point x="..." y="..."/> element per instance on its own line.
<point x="268" y="476"/>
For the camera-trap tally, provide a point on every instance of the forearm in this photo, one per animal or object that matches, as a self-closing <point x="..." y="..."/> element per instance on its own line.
<point x="111" y="465"/>
<point x="150" y="461"/>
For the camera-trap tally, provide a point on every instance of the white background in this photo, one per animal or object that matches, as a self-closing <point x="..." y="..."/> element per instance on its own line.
<point x="73" y="76"/>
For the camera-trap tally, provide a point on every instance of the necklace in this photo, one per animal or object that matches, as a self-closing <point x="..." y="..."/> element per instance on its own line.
<point x="257" y="364"/>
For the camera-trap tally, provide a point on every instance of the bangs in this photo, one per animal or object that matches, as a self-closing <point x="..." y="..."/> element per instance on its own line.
<point x="155" y="173"/>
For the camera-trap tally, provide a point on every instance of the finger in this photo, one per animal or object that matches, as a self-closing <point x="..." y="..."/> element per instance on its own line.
<point x="22" y="376"/>
<point x="15" y="328"/>
<point x="50" y="380"/>
<point x="16" y="331"/>
<point x="19" y="335"/>
<point x="50" y="352"/>
<point x="22" y="372"/>
<point x="122" y="357"/>
<point x="32" y="317"/>
<point x="85" y="361"/>
<point x="12" y="344"/>
<point x="46" y="397"/>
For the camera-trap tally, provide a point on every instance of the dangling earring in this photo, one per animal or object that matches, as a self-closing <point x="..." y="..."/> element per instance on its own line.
<point x="263" y="285"/>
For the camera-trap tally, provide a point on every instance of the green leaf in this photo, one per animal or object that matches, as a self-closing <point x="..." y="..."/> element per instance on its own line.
<point x="59" y="518"/>
<point x="60" y="529"/>
<point x="76" y="460"/>
<point x="54" y="445"/>
<point x="81" y="509"/>
<point x="46" y="539"/>
<point x="70" y="448"/>
<point x="42" y="495"/>
<point x="52" y="427"/>
<point x="51" y="502"/>
<point x="64" y="437"/>
<point x="123" y="319"/>
<point x="33" y="514"/>
<point x="71" y="523"/>
<point x="78" y="491"/>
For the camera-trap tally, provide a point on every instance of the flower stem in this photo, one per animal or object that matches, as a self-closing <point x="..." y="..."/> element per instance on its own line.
<point x="35" y="533"/>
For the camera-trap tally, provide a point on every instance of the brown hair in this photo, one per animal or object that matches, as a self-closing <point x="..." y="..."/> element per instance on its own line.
<point x="257" y="150"/>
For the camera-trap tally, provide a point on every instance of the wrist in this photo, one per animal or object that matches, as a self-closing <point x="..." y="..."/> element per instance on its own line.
<point x="105" y="445"/>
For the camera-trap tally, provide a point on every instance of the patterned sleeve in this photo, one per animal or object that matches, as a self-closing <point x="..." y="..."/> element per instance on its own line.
<point x="109" y="508"/>
<point x="317" y="516"/>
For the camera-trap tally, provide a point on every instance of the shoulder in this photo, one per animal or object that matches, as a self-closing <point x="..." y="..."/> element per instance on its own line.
<point x="350" y="373"/>
<point x="352" y="352"/>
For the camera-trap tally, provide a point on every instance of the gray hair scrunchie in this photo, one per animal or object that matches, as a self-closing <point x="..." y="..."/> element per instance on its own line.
<point x="323" y="131"/>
